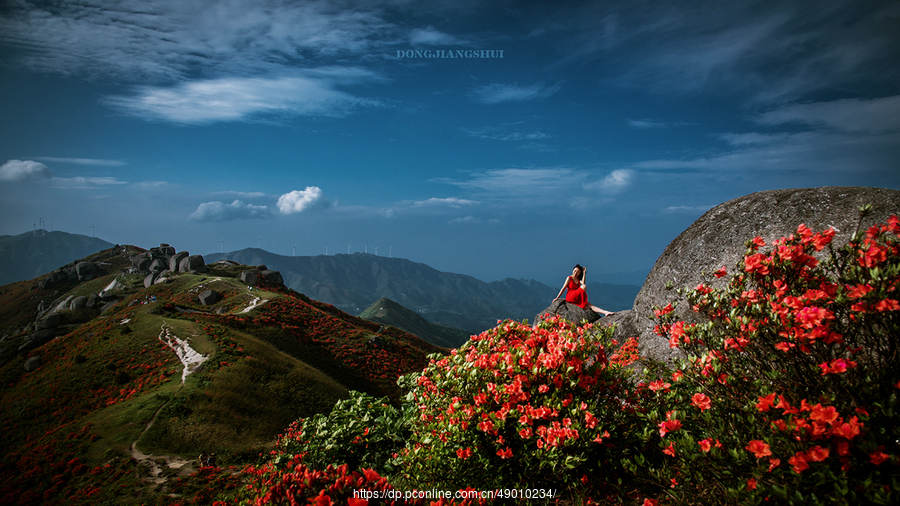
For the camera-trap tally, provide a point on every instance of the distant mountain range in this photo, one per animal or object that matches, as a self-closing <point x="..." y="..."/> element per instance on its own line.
<point x="33" y="254"/>
<point x="388" y="312"/>
<point x="354" y="282"/>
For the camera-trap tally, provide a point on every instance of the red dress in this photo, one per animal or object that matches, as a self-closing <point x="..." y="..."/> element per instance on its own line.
<point x="575" y="294"/>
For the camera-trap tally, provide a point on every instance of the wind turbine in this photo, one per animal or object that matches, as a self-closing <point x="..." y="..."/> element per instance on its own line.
<point x="222" y="242"/>
<point x="391" y="252"/>
<point x="367" y="247"/>
<point x="93" y="230"/>
<point x="41" y="221"/>
<point x="294" y="251"/>
<point x="376" y="250"/>
<point x="259" y="243"/>
<point x="326" y="249"/>
<point x="348" y="247"/>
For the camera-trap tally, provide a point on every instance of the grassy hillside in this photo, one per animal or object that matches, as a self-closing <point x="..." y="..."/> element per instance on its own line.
<point x="388" y="312"/>
<point x="105" y="418"/>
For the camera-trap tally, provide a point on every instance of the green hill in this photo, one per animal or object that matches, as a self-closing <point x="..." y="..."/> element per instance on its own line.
<point x="35" y="253"/>
<point x="388" y="312"/>
<point x="100" y="414"/>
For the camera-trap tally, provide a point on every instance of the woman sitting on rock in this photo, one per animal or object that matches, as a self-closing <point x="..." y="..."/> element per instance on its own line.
<point x="576" y="291"/>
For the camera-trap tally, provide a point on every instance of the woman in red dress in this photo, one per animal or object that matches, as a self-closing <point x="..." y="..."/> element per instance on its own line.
<point x="576" y="291"/>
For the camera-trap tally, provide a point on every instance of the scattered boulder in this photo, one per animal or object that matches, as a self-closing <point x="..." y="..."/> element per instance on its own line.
<point x="142" y="262"/>
<point x="50" y="321"/>
<point x="568" y="311"/>
<point x="249" y="277"/>
<point x="159" y="264"/>
<point x="718" y="239"/>
<point x="193" y="263"/>
<point x="166" y="250"/>
<point x="32" y="363"/>
<point x="150" y="279"/>
<point x="175" y="260"/>
<point x="79" y="302"/>
<point x="273" y="277"/>
<point x="86" y="271"/>
<point x="262" y="267"/>
<point x="209" y="297"/>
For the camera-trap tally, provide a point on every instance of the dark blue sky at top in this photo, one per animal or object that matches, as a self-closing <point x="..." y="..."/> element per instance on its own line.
<point x="603" y="132"/>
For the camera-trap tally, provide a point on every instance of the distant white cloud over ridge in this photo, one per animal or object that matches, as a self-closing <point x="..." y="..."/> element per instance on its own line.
<point x="24" y="170"/>
<point x="237" y="210"/>
<point x="299" y="201"/>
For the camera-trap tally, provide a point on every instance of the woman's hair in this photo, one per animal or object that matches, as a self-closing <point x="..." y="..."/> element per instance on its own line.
<point x="580" y="272"/>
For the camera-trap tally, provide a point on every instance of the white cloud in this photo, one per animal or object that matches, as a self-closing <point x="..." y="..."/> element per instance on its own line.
<point x="505" y="134"/>
<point x="752" y="138"/>
<point x="848" y="115"/>
<point x="472" y="220"/>
<point x="498" y="93"/>
<point x="237" y="210"/>
<point x="171" y="39"/>
<point x="643" y="124"/>
<point x="614" y="182"/>
<point x="519" y="182"/>
<point x="24" y="170"/>
<point x="84" y="183"/>
<point x="238" y="99"/>
<point x="431" y="37"/>
<point x="151" y="185"/>
<point x="83" y="161"/>
<point x="298" y="201"/>
<point x="439" y="202"/>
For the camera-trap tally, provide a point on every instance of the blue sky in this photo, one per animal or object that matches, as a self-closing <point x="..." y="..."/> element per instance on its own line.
<point x="605" y="129"/>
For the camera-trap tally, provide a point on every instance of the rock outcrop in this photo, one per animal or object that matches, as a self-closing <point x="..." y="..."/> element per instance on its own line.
<point x="164" y="259"/>
<point x="568" y="311"/>
<point x="718" y="239"/>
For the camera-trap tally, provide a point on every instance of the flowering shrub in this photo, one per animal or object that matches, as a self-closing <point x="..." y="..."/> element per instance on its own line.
<point x="791" y="388"/>
<point x="297" y="483"/>
<point x="519" y="406"/>
<point x="361" y="431"/>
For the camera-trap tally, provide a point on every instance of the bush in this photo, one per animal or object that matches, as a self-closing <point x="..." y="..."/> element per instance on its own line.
<point x="361" y="431"/>
<point x="520" y="407"/>
<point x="791" y="388"/>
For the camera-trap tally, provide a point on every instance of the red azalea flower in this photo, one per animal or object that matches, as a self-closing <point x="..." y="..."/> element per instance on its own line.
<point x="798" y="462"/>
<point x="766" y="403"/>
<point x="705" y="444"/>
<point x="878" y="457"/>
<point x="701" y="401"/>
<point x="759" y="448"/>
<point x="670" y="450"/>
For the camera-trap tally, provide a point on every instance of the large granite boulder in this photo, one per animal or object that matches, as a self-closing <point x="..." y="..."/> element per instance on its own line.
<point x="79" y="302"/>
<point x="86" y="271"/>
<point x="249" y="277"/>
<point x="193" y="263"/>
<point x="50" y="321"/>
<point x="570" y="312"/>
<point x="175" y="260"/>
<point x="273" y="277"/>
<point x="718" y="239"/>
<point x="209" y="297"/>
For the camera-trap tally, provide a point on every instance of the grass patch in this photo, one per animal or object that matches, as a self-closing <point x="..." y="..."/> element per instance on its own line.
<point x="237" y="409"/>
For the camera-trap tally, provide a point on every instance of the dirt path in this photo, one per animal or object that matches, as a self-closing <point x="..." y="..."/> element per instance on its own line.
<point x="191" y="360"/>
